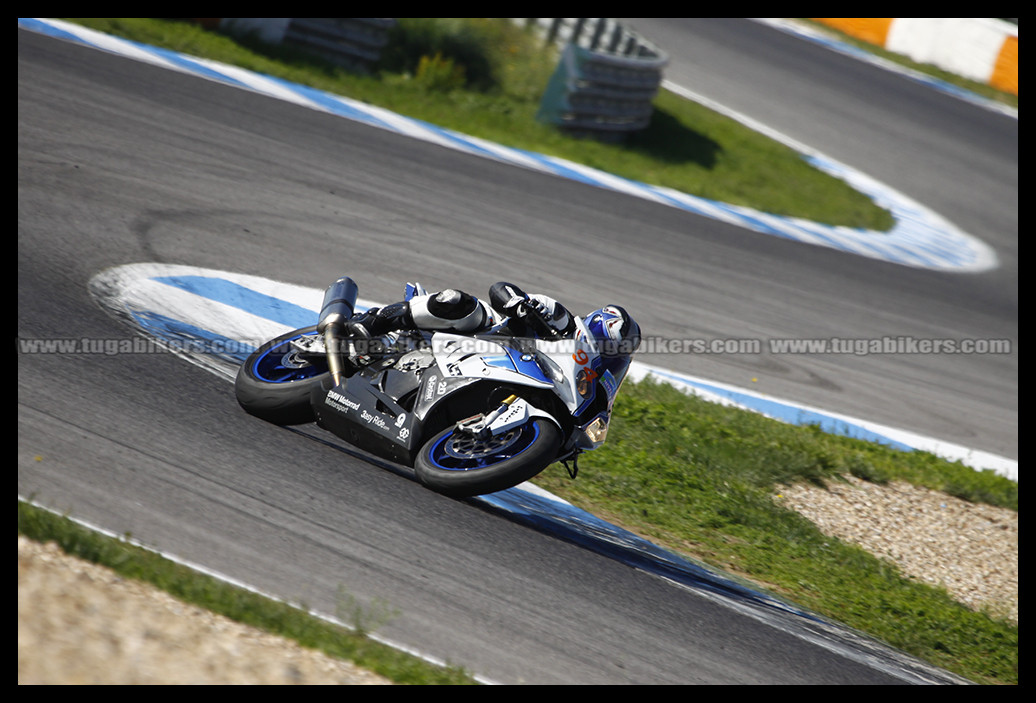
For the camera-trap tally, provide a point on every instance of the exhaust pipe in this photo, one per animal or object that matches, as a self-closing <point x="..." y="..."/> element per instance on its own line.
<point x="338" y="307"/>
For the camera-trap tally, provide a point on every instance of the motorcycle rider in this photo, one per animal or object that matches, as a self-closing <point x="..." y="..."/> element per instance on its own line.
<point x="509" y="310"/>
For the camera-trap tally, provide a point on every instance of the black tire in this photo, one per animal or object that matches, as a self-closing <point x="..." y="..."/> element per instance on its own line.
<point x="274" y="385"/>
<point x="488" y="468"/>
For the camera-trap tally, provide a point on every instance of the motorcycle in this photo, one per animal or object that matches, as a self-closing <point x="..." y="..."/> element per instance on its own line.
<point x="472" y="414"/>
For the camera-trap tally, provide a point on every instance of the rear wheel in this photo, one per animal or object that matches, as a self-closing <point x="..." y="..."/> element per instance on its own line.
<point x="459" y="465"/>
<point x="275" y="381"/>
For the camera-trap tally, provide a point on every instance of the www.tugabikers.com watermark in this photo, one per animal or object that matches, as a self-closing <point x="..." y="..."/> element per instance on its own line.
<point x="95" y="346"/>
<point x="889" y="345"/>
<point x="857" y="346"/>
<point x="647" y="345"/>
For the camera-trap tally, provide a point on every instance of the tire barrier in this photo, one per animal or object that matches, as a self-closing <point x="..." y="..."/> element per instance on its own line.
<point x="605" y="81"/>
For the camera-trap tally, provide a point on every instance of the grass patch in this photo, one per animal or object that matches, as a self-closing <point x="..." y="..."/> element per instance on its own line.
<point x="486" y="77"/>
<point x="699" y="478"/>
<point x="238" y="604"/>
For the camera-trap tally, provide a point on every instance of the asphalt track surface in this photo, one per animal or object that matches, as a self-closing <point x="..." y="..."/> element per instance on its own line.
<point x="120" y="162"/>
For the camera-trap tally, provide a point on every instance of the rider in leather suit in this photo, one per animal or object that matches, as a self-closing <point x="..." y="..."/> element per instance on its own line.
<point x="450" y="310"/>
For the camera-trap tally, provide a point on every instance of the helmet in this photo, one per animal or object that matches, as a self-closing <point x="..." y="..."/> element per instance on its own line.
<point x="617" y="333"/>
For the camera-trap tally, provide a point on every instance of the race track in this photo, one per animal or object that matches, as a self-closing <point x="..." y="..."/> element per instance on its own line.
<point x="121" y="162"/>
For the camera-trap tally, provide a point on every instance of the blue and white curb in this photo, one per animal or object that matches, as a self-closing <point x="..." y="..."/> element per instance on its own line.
<point x="920" y="238"/>
<point x="795" y="413"/>
<point x="214" y="319"/>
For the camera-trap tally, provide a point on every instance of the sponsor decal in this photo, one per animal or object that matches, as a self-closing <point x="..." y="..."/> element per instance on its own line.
<point x="375" y="420"/>
<point x="339" y="401"/>
<point x="430" y="388"/>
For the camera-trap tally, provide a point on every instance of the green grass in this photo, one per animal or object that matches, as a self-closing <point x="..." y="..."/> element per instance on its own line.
<point x="696" y="477"/>
<point x="700" y="478"/>
<point x="687" y="147"/>
<point x="238" y="604"/>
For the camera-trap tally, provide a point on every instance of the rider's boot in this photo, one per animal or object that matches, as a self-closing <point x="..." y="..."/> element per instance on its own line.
<point x="366" y="331"/>
<point x="380" y="321"/>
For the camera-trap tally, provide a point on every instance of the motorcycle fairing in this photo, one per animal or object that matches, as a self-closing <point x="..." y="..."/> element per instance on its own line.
<point x="435" y="386"/>
<point x="519" y="362"/>
<point x="383" y="409"/>
<point x="483" y="357"/>
<point x="359" y="411"/>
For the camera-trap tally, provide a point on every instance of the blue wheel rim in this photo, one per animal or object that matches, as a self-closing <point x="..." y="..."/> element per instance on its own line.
<point x="280" y="364"/>
<point x="447" y="455"/>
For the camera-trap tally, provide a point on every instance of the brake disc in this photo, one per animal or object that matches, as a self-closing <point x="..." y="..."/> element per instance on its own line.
<point x="461" y="446"/>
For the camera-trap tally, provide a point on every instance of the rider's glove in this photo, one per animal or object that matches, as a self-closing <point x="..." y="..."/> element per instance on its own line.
<point x="507" y="299"/>
<point x="550" y="314"/>
<point x="539" y="308"/>
<point x="511" y="301"/>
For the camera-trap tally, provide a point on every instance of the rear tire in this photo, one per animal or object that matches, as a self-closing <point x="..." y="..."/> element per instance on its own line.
<point x="274" y="383"/>
<point x="460" y="467"/>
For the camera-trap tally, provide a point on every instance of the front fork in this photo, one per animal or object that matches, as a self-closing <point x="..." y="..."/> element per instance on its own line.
<point x="481" y="426"/>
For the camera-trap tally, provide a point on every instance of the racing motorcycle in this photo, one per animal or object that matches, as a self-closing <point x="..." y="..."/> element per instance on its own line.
<point x="472" y="414"/>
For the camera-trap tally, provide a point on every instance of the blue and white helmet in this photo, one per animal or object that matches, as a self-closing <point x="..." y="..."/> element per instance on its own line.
<point x="616" y="333"/>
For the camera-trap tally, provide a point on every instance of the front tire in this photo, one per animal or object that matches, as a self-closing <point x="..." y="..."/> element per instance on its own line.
<point x="274" y="383"/>
<point x="459" y="466"/>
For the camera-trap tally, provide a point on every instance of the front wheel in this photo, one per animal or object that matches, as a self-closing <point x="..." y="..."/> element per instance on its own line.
<point x="275" y="381"/>
<point x="458" y="465"/>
